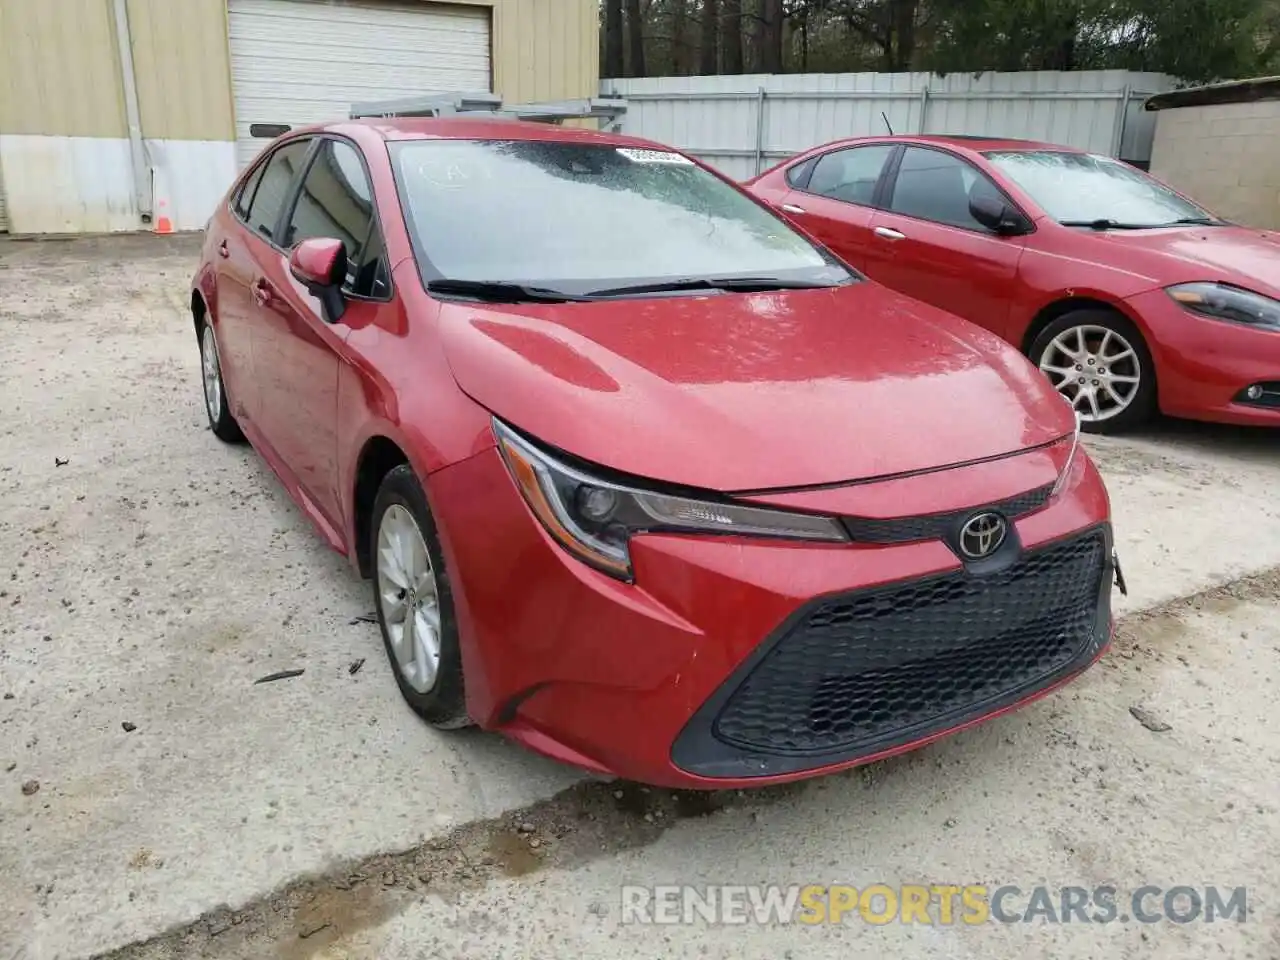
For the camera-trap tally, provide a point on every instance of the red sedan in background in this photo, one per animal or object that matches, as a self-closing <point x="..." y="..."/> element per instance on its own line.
<point x="642" y="477"/>
<point x="1127" y="295"/>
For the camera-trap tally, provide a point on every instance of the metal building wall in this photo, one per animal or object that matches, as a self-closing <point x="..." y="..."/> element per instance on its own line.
<point x="65" y="153"/>
<point x="744" y="124"/>
<point x="65" y="162"/>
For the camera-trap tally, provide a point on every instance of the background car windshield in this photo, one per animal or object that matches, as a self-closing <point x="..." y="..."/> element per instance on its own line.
<point x="575" y="217"/>
<point x="1087" y="187"/>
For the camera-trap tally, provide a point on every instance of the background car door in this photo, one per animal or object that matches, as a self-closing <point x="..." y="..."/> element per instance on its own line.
<point x="295" y="341"/>
<point x="243" y="254"/>
<point x="833" y="200"/>
<point x="926" y="243"/>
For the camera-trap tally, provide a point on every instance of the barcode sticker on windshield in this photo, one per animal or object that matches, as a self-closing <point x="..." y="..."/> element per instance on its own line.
<point x="654" y="156"/>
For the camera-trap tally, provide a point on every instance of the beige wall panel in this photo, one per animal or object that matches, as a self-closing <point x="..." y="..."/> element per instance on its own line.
<point x="182" y="67"/>
<point x="1226" y="156"/>
<point x="545" y="49"/>
<point x="59" y="74"/>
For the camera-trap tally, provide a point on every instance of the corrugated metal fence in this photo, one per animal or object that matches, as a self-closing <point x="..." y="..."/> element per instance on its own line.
<point x="743" y="124"/>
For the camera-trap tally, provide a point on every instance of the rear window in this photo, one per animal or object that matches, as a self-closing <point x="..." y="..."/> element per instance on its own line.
<point x="581" y="216"/>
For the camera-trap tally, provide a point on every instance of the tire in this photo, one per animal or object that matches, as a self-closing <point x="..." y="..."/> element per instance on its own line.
<point x="1111" y="344"/>
<point x="221" y="422"/>
<point x="401" y="508"/>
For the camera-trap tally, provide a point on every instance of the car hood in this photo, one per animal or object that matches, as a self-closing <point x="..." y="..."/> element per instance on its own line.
<point x="1248" y="258"/>
<point x="759" y="391"/>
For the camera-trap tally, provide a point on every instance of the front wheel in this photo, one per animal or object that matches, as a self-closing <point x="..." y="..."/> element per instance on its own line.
<point x="414" y="601"/>
<point x="1099" y="362"/>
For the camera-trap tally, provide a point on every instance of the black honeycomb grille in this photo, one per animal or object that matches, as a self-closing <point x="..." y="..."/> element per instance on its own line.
<point x="934" y="526"/>
<point x="879" y="667"/>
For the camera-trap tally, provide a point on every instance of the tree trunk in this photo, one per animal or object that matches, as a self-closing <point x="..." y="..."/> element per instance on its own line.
<point x="904" y="28"/>
<point x="613" y="65"/>
<point x="679" y="37"/>
<point x="709" y="59"/>
<point x="731" y="34"/>
<point x="635" y="36"/>
<point x="771" y="36"/>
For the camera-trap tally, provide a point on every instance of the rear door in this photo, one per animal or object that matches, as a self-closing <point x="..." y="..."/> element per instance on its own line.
<point x="243" y="255"/>
<point x="834" y="196"/>
<point x="294" y="341"/>
<point x="232" y="275"/>
<point x="926" y="244"/>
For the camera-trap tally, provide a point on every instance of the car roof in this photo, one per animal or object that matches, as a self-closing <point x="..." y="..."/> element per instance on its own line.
<point x="467" y="128"/>
<point x="965" y="141"/>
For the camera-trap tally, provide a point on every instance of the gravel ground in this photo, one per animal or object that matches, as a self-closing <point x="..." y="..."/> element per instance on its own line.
<point x="150" y="789"/>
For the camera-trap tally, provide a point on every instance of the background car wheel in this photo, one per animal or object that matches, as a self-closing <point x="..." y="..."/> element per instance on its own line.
<point x="414" y="601"/>
<point x="221" y="421"/>
<point x="1098" y="361"/>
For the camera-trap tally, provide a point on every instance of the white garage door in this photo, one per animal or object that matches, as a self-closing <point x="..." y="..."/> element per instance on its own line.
<point x="306" y="61"/>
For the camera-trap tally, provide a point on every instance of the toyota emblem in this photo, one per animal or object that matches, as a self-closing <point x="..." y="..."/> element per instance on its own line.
<point x="982" y="535"/>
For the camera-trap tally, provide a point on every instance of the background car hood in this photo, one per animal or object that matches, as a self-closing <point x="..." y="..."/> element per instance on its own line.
<point x="755" y="391"/>
<point x="1249" y="258"/>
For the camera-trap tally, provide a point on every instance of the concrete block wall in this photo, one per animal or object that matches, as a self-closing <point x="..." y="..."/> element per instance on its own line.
<point x="1225" y="156"/>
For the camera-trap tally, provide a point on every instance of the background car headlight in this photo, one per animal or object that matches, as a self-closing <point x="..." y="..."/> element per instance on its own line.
<point x="594" y="519"/>
<point x="1223" y="302"/>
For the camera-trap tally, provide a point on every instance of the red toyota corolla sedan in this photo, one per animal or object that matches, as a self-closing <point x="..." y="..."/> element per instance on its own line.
<point x="1129" y="296"/>
<point x="642" y="477"/>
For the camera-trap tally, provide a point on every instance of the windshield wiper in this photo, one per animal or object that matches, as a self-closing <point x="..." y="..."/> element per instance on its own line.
<point x="1102" y="223"/>
<point x="500" y="291"/>
<point x="1195" y="222"/>
<point x="735" y="284"/>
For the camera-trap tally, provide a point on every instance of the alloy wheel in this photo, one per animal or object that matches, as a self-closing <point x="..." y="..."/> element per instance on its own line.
<point x="410" y="598"/>
<point x="1095" y="368"/>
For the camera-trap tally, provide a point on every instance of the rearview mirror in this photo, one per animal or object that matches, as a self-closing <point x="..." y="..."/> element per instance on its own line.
<point x="320" y="265"/>
<point x="994" y="214"/>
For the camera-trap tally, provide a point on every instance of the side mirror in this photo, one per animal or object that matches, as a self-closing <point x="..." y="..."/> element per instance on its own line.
<point x="996" y="215"/>
<point x="320" y="265"/>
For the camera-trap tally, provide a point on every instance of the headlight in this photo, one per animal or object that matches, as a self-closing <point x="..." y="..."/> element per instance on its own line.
<point x="1071" y="459"/>
<point x="1224" y="302"/>
<point x="594" y="519"/>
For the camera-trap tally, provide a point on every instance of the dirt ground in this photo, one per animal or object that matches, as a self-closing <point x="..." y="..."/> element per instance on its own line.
<point x="156" y="802"/>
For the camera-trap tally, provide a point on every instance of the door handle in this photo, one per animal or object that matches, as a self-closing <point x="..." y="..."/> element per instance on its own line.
<point x="890" y="234"/>
<point x="261" y="293"/>
<point x="792" y="208"/>
<point x="223" y="252"/>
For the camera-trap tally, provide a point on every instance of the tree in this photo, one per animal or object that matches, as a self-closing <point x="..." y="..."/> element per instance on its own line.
<point x="771" y="33"/>
<point x="1196" y="40"/>
<point x="731" y="34"/>
<point x="709" y="60"/>
<point x="635" y="35"/>
<point x="613" y="64"/>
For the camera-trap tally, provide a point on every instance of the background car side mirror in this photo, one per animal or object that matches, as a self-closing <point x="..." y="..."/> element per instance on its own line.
<point x="320" y="265"/>
<point x="994" y="214"/>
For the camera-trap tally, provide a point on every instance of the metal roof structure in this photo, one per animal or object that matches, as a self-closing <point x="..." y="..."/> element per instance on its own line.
<point x="1232" y="91"/>
<point x="491" y="106"/>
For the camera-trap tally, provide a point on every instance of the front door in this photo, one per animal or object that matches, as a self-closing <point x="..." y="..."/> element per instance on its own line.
<point x="926" y="244"/>
<point x="300" y="347"/>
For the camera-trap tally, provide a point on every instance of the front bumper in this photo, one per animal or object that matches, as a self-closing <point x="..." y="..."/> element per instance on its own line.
<point x="637" y="680"/>
<point x="1204" y="365"/>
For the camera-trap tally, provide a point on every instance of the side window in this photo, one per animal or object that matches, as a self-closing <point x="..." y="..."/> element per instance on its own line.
<point x="798" y="176"/>
<point x="245" y="195"/>
<point x="850" y="174"/>
<point x="273" y="187"/>
<point x="933" y="185"/>
<point x="336" y="201"/>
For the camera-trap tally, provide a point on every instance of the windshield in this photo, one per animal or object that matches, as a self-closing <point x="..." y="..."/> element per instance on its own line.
<point x="1086" y="188"/>
<point x="584" y="217"/>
